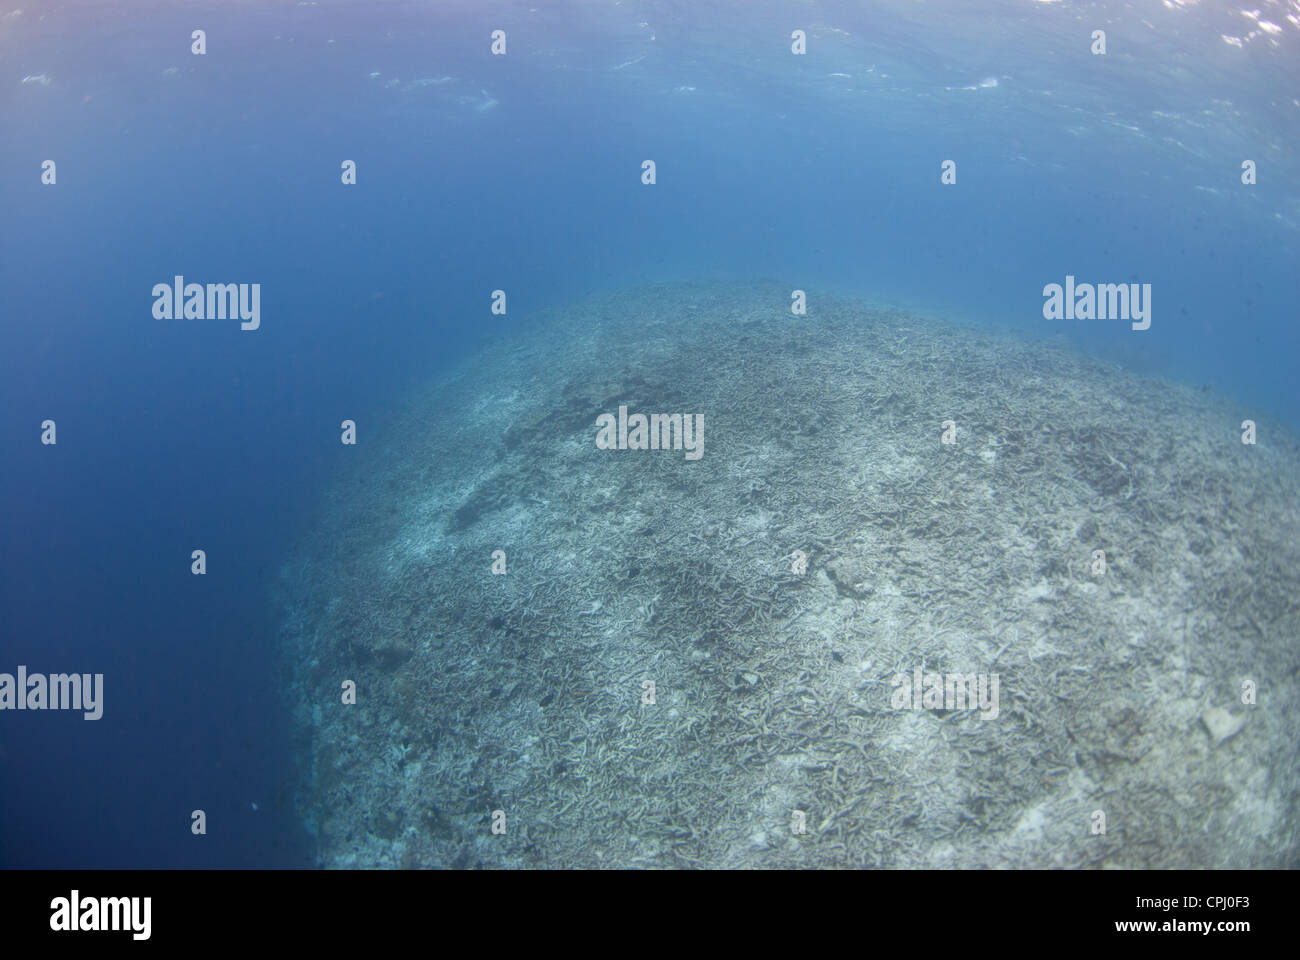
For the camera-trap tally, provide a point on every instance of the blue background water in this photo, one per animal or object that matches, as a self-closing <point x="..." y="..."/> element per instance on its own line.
<point x="520" y="172"/>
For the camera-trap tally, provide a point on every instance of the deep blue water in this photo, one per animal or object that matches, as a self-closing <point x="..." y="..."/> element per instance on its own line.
<point x="520" y="172"/>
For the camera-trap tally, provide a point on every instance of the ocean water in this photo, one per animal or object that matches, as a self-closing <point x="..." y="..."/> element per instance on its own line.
<point x="921" y="171"/>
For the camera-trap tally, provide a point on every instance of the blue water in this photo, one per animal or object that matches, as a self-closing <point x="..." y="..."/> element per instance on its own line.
<point x="521" y="172"/>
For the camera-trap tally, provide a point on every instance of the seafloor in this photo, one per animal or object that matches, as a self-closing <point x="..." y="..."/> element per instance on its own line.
<point x="517" y="699"/>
